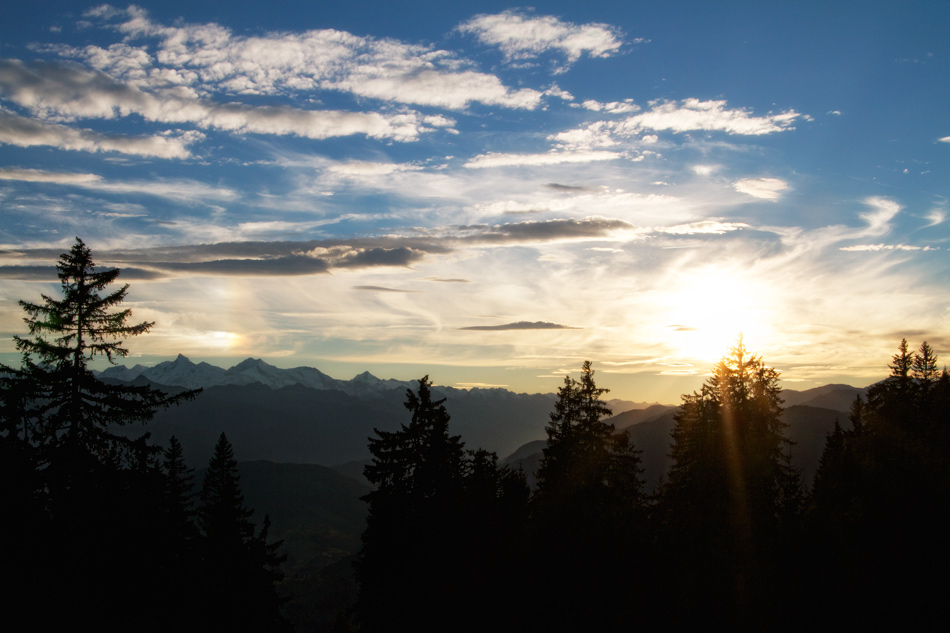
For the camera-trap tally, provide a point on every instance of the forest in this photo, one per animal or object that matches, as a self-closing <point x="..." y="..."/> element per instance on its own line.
<point x="111" y="530"/>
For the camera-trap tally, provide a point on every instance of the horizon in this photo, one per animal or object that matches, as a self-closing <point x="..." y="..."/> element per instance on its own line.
<point x="233" y="363"/>
<point x="486" y="193"/>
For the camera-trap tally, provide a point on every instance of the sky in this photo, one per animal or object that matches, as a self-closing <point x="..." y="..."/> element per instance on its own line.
<point x="490" y="193"/>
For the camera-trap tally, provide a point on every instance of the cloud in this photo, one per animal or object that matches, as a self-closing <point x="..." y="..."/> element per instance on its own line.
<point x="535" y="160"/>
<point x="36" y="175"/>
<point x="521" y="36"/>
<point x="567" y="188"/>
<point x="384" y="289"/>
<point x="69" y="92"/>
<point x="887" y="247"/>
<point x="279" y="266"/>
<point x="364" y="168"/>
<point x="550" y="230"/>
<point x="25" y="132"/>
<point x="879" y="218"/>
<point x="703" y="227"/>
<point x="521" y="325"/>
<point x="180" y="190"/>
<point x="613" y="107"/>
<point x="765" y="188"/>
<point x="945" y="139"/>
<point x="688" y="115"/>
<point x="693" y="114"/>
<point x="50" y="274"/>
<point x="935" y="217"/>
<point x="208" y="57"/>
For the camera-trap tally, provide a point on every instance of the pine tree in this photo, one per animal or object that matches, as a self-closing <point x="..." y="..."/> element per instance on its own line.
<point x="409" y="559"/>
<point x="74" y="410"/>
<point x="179" y="494"/>
<point x="589" y="508"/>
<point x="722" y="504"/>
<point x="241" y="569"/>
<point x="98" y="492"/>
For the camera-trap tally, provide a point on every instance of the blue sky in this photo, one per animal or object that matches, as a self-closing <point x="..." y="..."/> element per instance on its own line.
<point x="490" y="193"/>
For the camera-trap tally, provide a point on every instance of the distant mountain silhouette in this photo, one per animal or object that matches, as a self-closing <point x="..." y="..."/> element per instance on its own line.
<point x="836" y="397"/>
<point x="302" y="415"/>
<point x="651" y="428"/>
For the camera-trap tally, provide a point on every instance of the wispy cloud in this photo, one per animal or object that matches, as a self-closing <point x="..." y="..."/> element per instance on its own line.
<point x="181" y="190"/>
<point x="879" y="217"/>
<point x="37" y="175"/>
<point x="68" y="92"/>
<point x="688" y="115"/>
<point x="765" y="188"/>
<point x="534" y="160"/>
<point x="874" y="248"/>
<point x="25" y="132"/>
<point x="522" y="35"/>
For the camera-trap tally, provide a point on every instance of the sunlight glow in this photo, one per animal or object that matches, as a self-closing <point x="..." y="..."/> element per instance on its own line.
<point x="710" y="307"/>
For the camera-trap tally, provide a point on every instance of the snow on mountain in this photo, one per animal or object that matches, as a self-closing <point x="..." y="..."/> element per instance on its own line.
<point x="182" y="372"/>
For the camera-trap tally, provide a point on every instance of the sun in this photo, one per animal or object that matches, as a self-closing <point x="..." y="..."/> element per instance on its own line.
<point x="708" y="309"/>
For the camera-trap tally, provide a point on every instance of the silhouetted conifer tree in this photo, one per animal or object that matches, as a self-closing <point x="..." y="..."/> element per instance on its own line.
<point x="876" y="493"/>
<point x="441" y="524"/>
<point x="73" y="410"/>
<point x="98" y="491"/>
<point x="241" y="570"/>
<point x="588" y="512"/>
<point x="723" y="502"/>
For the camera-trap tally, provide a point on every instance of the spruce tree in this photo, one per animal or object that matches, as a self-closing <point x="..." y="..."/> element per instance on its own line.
<point x="589" y="509"/>
<point x="241" y="570"/>
<point x="409" y="562"/>
<point x="76" y="411"/>
<point x="723" y="501"/>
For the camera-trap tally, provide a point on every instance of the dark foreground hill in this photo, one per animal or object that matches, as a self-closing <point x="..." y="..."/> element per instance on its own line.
<point x="318" y="514"/>
<point x="322" y="426"/>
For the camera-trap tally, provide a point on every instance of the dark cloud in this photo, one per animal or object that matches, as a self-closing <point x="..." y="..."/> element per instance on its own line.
<point x="559" y="187"/>
<point x="549" y="230"/>
<point x="379" y="257"/>
<point x="282" y="258"/>
<point x="681" y="328"/>
<point x="449" y="280"/>
<point x="281" y="266"/>
<point x="522" y="325"/>
<point x="48" y="273"/>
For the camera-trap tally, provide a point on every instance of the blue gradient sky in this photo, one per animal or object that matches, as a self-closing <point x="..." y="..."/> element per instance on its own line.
<point x="489" y="193"/>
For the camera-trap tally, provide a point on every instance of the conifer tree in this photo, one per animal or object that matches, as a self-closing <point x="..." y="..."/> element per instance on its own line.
<point x="65" y="334"/>
<point x="589" y="509"/>
<point x="241" y="569"/>
<point x="409" y="559"/>
<point x="722" y="503"/>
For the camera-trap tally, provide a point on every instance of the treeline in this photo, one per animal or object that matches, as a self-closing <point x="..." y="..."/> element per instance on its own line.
<point x="732" y="537"/>
<point x="104" y="531"/>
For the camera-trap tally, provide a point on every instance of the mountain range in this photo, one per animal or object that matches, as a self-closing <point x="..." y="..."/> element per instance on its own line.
<point x="302" y="415"/>
<point x="302" y="441"/>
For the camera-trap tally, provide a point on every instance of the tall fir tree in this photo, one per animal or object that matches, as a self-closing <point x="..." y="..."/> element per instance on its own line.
<point x="241" y="570"/>
<point x="76" y="411"/>
<point x="723" y="501"/>
<point x="589" y="508"/>
<point x="98" y="490"/>
<point x="414" y="511"/>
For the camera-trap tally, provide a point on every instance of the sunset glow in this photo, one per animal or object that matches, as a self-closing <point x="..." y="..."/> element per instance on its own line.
<point x="489" y="193"/>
